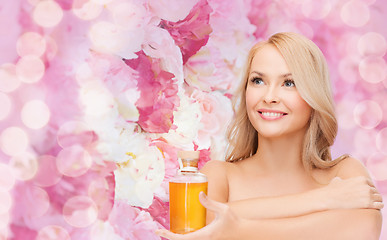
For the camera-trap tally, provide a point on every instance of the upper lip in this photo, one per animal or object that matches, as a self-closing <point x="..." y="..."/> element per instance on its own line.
<point x="271" y="110"/>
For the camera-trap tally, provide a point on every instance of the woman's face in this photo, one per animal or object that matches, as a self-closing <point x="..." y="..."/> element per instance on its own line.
<point x="273" y="103"/>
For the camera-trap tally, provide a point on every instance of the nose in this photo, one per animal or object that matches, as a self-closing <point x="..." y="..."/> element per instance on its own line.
<point x="271" y="95"/>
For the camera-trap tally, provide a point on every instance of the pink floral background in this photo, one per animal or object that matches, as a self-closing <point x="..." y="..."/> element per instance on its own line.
<point x="97" y="97"/>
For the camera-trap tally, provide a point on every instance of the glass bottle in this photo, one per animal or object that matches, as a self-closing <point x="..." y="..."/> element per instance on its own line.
<point x="186" y="212"/>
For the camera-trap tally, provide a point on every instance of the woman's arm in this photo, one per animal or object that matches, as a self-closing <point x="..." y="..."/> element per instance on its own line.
<point x="353" y="192"/>
<point x="359" y="224"/>
<point x="340" y="224"/>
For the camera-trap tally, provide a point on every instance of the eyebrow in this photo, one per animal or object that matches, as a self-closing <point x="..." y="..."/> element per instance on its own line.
<point x="263" y="75"/>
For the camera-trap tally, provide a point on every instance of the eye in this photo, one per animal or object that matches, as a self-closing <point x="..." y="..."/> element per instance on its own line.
<point x="257" y="80"/>
<point x="289" y="83"/>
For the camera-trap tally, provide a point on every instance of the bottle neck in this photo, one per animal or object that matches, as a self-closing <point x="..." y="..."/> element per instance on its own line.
<point x="188" y="169"/>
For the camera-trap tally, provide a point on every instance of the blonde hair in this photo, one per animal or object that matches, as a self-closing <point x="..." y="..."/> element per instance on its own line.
<point x="310" y="73"/>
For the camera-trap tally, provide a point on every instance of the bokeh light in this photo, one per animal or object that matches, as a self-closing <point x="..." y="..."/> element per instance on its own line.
<point x="24" y="165"/>
<point x="364" y="143"/>
<point x="33" y="2"/>
<point x="84" y="75"/>
<point x="5" y="106"/>
<point x="8" y="78"/>
<point x="373" y="69"/>
<point x="47" y="173"/>
<point x="53" y="232"/>
<point x="47" y="13"/>
<point x="31" y="43"/>
<point x="7" y="178"/>
<point x="107" y="37"/>
<point x="348" y="69"/>
<point x="5" y="202"/>
<point x="39" y="200"/>
<point x="4" y="223"/>
<point x="35" y="114"/>
<point x="96" y="100"/>
<point x="355" y="13"/>
<point x="345" y="118"/>
<point x="101" y="2"/>
<point x="86" y="10"/>
<point x="368" y="114"/>
<point x="316" y="11"/>
<point x="80" y="211"/>
<point x="126" y="14"/>
<point x="377" y="165"/>
<point x="30" y="69"/>
<point x="73" y="161"/>
<point x="51" y="49"/>
<point x="381" y="141"/>
<point x="74" y="133"/>
<point x="13" y="140"/>
<point x="372" y="44"/>
<point x="97" y="191"/>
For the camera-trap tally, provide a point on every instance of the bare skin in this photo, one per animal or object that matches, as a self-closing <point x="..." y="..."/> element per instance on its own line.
<point x="270" y="195"/>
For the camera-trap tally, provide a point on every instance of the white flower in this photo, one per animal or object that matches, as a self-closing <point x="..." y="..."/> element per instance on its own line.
<point x="160" y="44"/>
<point x="216" y="110"/>
<point x="107" y="37"/>
<point x="126" y="105"/>
<point x="103" y="231"/>
<point x="187" y="119"/>
<point x="141" y="175"/>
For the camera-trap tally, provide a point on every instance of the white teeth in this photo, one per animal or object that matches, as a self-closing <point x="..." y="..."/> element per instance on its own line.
<point x="271" y="114"/>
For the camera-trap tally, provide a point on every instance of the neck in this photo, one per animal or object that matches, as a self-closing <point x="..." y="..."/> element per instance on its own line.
<point x="282" y="154"/>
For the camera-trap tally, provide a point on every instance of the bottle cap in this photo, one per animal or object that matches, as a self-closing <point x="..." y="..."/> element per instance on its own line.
<point x="188" y="160"/>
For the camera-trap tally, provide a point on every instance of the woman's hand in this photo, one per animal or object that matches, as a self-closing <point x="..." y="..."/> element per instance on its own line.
<point x="223" y="227"/>
<point x="356" y="192"/>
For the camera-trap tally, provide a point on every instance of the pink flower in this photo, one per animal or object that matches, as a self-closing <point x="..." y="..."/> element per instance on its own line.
<point x="216" y="113"/>
<point x="158" y="97"/>
<point x="208" y="71"/>
<point x="258" y="16"/>
<point x="191" y="33"/>
<point x="204" y="157"/>
<point x="132" y="223"/>
<point x="170" y="157"/>
<point x="172" y="10"/>
<point x="116" y="75"/>
<point x="159" y="210"/>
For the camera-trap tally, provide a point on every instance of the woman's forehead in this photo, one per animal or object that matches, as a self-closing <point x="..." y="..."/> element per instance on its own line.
<point x="268" y="60"/>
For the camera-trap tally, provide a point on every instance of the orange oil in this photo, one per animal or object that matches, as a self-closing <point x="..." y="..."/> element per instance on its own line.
<point x="187" y="214"/>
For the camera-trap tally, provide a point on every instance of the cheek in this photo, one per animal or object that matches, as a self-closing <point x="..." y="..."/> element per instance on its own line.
<point x="252" y="98"/>
<point x="302" y="107"/>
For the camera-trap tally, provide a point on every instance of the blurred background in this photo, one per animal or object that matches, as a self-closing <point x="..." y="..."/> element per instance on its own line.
<point x="97" y="97"/>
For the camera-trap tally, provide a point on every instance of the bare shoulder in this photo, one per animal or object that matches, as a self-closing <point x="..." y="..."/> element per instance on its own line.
<point x="350" y="167"/>
<point x="214" y="167"/>
<point x="216" y="172"/>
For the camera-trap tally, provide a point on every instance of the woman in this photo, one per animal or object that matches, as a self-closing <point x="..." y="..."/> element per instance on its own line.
<point x="279" y="181"/>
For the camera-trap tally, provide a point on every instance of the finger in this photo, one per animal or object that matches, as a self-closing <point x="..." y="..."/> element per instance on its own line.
<point x="378" y="205"/>
<point x="377" y="197"/>
<point x="169" y="235"/>
<point x="211" y="204"/>
<point x="201" y="234"/>
<point x="370" y="183"/>
<point x="374" y="190"/>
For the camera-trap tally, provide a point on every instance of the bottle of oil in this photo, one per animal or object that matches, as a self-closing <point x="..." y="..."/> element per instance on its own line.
<point x="185" y="210"/>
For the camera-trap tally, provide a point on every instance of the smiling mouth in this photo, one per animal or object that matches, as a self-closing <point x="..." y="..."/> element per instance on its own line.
<point x="272" y="114"/>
